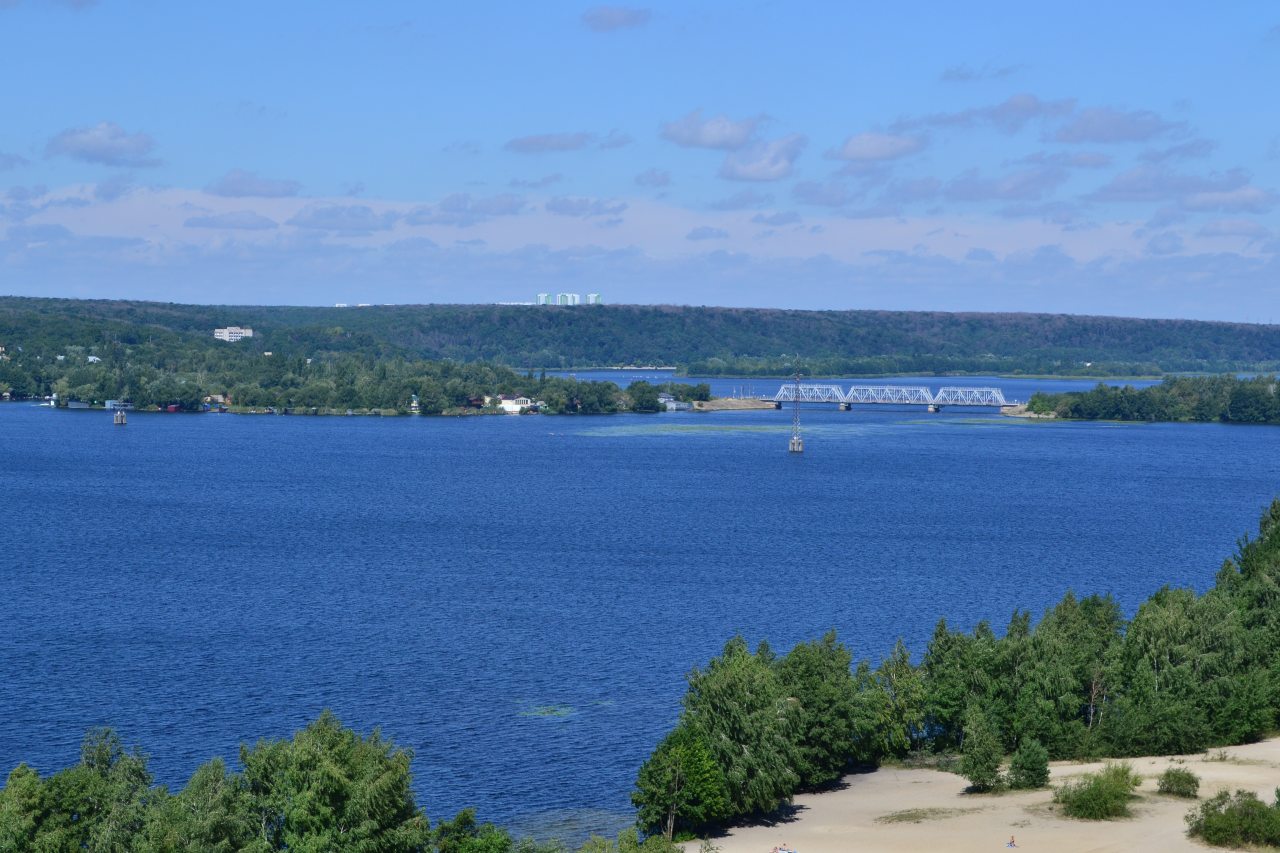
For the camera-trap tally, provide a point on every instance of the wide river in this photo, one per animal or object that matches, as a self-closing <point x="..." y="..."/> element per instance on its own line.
<point x="518" y="599"/>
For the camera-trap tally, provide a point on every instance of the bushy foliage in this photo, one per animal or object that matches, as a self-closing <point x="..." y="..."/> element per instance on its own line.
<point x="1224" y="398"/>
<point x="737" y="705"/>
<point x="1236" y="820"/>
<point x="981" y="754"/>
<point x="1100" y="796"/>
<point x="680" y="788"/>
<point x="1029" y="767"/>
<point x="1178" y="782"/>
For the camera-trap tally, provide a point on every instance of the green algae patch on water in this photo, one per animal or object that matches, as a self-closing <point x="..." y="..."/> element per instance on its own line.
<point x="683" y="429"/>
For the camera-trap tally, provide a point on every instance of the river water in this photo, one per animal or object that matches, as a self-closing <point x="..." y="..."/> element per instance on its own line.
<point x="517" y="599"/>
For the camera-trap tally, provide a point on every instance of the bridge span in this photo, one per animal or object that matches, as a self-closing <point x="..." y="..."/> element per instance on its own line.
<point x="900" y="395"/>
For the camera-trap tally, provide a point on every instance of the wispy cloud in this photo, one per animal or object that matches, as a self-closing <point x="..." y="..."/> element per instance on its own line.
<point x="238" y="183"/>
<point x="11" y="161"/>
<point x="824" y="194"/>
<point x="968" y="74"/>
<point x="764" y="161"/>
<point x="1106" y="125"/>
<point x="463" y="209"/>
<point x="1234" y="228"/>
<point x="1246" y="199"/>
<point x="706" y="232"/>
<point x="1195" y="149"/>
<point x="342" y="218"/>
<point x="717" y="132"/>
<point x="615" y="139"/>
<point x="776" y="220"/>
<point x="537" y="183"/>
<point x="544" y="142"/>
<point x="607" y="19"/>
<point x="238" y="220"/>
<point x="743" y="200"/>
<point x="585" y="207"/>
<point x="114" y="187"/>
<point x="875" y="147"/>
<point x="106" y="143"/>
<point x="1008" y="116"/>
<point x="654" y="178"/>
<point x="1164" y="243"/>
<point x="1158" y="183"/>
<point x="1066" y="159"/>
<point x="1025" y="185"/>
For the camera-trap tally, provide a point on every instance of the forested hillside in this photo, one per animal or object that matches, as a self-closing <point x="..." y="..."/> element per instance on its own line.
<point x="703" y="340"/>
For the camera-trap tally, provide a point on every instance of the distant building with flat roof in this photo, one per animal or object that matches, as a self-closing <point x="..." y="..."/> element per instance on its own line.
<point x="568" y="299"/>
<point x="593" y="299"/>
<point x="232" y="333"/>
<point x="544" y="299"/>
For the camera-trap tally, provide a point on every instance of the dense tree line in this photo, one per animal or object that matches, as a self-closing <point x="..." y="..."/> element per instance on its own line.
<point x="1186" y="672"/>
<point x="326" y="790"/>
<point x="1181" y="398"/>
<point x="706" y="341"/>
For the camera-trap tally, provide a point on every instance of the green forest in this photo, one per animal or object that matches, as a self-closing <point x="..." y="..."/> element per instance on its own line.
<point x="699" y="340"/>
<point x="1186" y="672"/>
<point x="1227" y="399"/>
<point x="328" y="789"/>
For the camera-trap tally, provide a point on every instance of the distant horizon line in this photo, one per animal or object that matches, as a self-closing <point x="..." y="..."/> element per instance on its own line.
<point x="505" y="304"/>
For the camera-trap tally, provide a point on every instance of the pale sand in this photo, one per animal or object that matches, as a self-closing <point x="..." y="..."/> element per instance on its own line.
<point x="846" y="819"/>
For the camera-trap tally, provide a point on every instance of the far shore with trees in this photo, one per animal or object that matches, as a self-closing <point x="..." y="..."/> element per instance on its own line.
<point x="1225" y="399"/>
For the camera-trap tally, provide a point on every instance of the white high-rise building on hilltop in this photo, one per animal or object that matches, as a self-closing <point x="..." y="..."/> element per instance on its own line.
<point x="544" y="299"/>
<point x="594" y="299"/>
<point x="568" y="299"/>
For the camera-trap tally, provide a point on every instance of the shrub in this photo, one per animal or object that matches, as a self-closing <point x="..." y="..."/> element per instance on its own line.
<point x="1225" y="820"/>
<point x="1100" y="796"/>
<point x="1030" y="766"/>
<point x="1179" y="783"/>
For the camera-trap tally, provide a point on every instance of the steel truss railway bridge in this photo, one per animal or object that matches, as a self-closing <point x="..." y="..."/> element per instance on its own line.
<point x="900" y="395"/>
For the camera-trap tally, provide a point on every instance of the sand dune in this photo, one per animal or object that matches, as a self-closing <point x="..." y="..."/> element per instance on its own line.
<point x="895" y="809"/>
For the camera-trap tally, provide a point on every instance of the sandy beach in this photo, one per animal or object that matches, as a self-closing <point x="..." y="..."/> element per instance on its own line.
<point x="897" y="809"/>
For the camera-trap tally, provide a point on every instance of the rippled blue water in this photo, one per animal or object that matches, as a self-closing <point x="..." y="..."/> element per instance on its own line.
<point x="200" y="581"/>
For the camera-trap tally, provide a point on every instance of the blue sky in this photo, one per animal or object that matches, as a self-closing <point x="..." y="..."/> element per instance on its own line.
<point x="1108" y="158"/>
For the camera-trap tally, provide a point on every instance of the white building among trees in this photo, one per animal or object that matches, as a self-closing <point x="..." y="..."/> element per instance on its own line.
<point x="232" y="333"/>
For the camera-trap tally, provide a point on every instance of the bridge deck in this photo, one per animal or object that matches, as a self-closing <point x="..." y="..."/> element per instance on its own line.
<point x="913" y="395"/>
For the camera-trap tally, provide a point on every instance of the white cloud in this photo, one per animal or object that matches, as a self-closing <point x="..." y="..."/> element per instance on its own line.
<point x="764" y="161"/>
<point x="871" y="147"/>
<point x="607" y="19"/>
<point x="240" y="220"/>
<point x="717" y="132"/>
<point x="741" y="201"/>
<point x="462" y="209"/>
<point x="238" y="183"/>
<point x="654" y="178"/>
<point x="584" y="207"/>
<point x="1246" y="199"/>
<point x="106" y="143"/>
<point x="1106" y="125"/>
<point x="706" y="232"/>
<point x="546" y="142"/>
<point x="342" y="218"/>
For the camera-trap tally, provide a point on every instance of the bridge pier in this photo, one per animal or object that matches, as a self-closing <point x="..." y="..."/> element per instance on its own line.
<point x="777" y="404"/>
<point x="844" y="407"/>
<point x="934" y="408"/>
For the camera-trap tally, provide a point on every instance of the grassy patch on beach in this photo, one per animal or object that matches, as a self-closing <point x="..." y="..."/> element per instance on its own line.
<point x="922" y="815"/>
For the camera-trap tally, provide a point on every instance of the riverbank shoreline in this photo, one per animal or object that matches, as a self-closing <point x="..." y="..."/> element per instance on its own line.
<point x="898" y="809"/>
